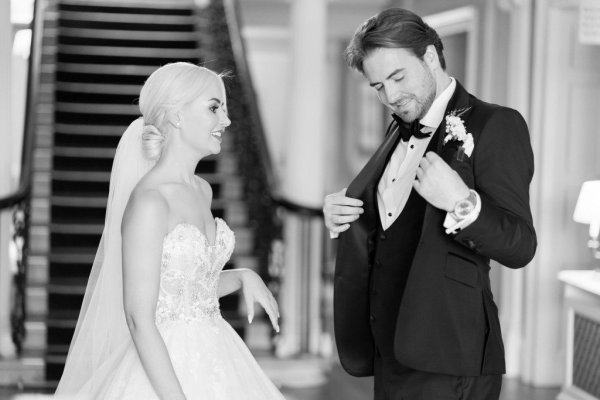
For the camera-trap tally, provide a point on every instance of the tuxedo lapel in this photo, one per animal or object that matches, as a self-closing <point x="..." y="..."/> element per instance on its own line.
<point x="366" y="179"/>
<point x="364" y="186"/>
<point x="351" y="288"/>
<point x="458" y="101"/>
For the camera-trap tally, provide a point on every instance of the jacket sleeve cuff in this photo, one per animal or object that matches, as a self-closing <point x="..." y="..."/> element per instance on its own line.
<point x="454" y="225"/>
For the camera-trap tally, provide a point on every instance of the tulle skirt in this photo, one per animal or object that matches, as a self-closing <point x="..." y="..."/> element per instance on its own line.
<point x="210" y="360"/>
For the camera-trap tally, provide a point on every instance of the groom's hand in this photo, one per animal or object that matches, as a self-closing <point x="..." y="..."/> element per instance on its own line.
<point x="438" y="184"/>
<point x="340" y="211"/>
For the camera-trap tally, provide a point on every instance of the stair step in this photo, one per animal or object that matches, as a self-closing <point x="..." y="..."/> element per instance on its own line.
<point x="84" y="152"/>
<point x="37" y="270"/>
<point x="58" y="348"/>
<point x="98" y="88"/>
<point x="63" y="323"/>
<point x="100" y="176"/>
<point x="38" y="236"/>
<point x="106" y="69"/>
<point x="89" y="129"/>
<point x="40" y="208"/>
<point x="85" y="255"/>
<point x="23" y="370"/>
<point x="77" y="255"/>
<point x="35" y="339"/>
<point x="112" y="51"/>
<point x="36" y="300"/>
<point x="80" y="201"/>
<point x="83" y="229"/>
<point x="119" y="34"/>
<point x="225" y="160"/>
<point x="55" y="358"/>
<point x="82" y="176"/>
<point x="157" y="4"/>
<point x="100" y="201"/>
<point x="92" y="108"/>
<point x="127" y="17"/>
<point x="42" y="159"/>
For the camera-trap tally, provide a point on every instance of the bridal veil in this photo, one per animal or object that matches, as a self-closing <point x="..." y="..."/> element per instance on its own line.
<point x="101" y="334"/>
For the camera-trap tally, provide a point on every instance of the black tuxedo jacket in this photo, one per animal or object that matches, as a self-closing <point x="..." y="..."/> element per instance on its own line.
<point x="447" y="322"/>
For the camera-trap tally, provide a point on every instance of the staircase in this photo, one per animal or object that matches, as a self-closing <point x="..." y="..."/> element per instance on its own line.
<point x="104" y="51"/>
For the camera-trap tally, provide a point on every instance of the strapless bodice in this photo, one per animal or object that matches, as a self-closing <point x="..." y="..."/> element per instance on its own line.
<point x="190" y="270"/>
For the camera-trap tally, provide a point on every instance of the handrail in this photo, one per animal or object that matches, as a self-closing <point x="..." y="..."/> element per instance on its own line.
<point x="297" y="208"/>
<point x="232" y="15"/>
<point x="33" y="74"/>
<point x="233" y="18"/>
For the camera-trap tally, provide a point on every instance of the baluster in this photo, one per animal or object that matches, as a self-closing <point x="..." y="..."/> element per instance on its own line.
<point x="19" y="243"/>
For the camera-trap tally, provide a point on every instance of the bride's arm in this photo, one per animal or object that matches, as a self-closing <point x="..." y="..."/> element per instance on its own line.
<point x="254" y="290"/>
<point x="143" y="229"/>
<point x="230" y="281"/>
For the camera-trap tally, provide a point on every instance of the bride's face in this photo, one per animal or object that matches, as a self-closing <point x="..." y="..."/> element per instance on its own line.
<point x="203" y="121"/>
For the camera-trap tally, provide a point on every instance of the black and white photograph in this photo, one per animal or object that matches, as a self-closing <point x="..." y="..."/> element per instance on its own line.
<point x="300" y="200"/>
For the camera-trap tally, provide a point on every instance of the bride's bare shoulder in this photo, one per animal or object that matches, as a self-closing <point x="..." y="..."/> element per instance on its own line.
<point x="147" y="205"/>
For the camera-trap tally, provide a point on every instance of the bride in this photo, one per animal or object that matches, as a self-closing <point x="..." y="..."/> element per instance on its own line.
<point x="150" y="325"/>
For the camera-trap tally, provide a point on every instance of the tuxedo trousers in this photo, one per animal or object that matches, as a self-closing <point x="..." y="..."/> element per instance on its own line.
<point x="394" y="381"/>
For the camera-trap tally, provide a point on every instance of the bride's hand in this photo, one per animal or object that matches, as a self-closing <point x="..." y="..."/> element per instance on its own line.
<point x="254" y="289"/>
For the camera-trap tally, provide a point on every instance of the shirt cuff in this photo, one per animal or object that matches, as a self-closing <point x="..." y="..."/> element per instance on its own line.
<point x="454" y="225"/>
<point x="333" y="235"/>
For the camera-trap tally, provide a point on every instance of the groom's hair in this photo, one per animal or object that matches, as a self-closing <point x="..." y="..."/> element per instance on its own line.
<point x="393" y="28"/>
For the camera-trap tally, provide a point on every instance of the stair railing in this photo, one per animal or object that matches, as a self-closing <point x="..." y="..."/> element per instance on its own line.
<point x="18" y="200"/>
<point x="315" y="265"/>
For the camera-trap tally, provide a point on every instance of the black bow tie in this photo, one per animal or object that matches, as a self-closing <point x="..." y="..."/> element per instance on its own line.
<point x="412" y="129"/>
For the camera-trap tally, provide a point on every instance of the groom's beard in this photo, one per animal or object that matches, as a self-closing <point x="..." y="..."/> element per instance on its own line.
<point x="430" y="89"/>
<point x="422" y="104"/>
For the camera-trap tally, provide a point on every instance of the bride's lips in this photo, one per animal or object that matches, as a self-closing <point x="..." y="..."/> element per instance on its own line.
<point x="217" y="135"/>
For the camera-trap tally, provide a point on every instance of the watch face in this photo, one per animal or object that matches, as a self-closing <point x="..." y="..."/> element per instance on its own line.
<point x="463" y="208"/>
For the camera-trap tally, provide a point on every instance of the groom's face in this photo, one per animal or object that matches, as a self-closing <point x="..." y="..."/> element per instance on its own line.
<point x="404" y="83"/>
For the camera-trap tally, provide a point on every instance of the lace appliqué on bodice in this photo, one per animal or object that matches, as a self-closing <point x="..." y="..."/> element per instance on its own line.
<point x="190" y="270"/>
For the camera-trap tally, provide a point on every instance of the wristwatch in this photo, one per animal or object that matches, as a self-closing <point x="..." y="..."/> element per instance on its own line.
<point x="465" y="206"/>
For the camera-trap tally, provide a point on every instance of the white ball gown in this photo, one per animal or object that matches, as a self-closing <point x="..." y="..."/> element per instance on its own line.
<point x="210" y="359"/>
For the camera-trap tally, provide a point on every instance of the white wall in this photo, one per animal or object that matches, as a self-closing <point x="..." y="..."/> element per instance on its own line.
<point x="566" y="139"/>
<point x="5" y="172"/>
<point x="266" y="33"/>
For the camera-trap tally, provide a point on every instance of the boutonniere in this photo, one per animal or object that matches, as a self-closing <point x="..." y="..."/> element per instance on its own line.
<point x="455" y="129"/>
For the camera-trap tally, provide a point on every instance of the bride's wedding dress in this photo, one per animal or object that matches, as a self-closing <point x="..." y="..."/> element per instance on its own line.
<point x="210" y="359"/>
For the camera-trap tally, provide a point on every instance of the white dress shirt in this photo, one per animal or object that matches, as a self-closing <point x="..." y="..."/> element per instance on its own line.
<point x="396" y="182"/>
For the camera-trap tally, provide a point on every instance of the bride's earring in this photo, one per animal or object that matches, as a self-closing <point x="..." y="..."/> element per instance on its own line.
<point x="176" y="124"/>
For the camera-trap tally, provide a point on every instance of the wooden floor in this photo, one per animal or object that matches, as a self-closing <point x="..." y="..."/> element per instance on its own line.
<point x="310" y="379"/>
<point x="340" y="386"/>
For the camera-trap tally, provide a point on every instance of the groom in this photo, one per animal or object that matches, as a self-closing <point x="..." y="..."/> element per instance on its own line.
<point x="447" y="190"/>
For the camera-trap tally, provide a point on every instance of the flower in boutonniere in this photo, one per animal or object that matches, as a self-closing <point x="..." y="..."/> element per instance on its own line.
<point x="455" y="129"/>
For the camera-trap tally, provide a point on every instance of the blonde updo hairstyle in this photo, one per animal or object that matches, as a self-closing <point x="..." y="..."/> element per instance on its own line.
<point x="164" y="93"/>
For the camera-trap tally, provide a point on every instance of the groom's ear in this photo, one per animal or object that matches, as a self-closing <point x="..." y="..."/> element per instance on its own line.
<point x="431" y="57"/>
